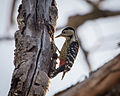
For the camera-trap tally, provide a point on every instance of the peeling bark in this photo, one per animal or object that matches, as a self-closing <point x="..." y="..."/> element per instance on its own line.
<point x="33" y="53"/>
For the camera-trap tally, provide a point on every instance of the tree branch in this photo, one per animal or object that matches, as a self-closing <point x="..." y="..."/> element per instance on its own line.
<point x="6" y="38"/>
<point x="95" y="7"/>
<point x="77" y="20"/>
<point x="86" y="53"/>
<point x="99" y="82"/>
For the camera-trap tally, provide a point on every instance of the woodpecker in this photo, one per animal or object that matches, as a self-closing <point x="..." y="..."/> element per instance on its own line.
<point x="68" y="52"/>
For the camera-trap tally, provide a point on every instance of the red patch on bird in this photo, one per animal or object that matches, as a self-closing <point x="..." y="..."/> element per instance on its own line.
<point x="62" y="62"/>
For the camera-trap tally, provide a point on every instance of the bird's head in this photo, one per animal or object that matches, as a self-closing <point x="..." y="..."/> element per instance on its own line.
<point x="68" y="32"/>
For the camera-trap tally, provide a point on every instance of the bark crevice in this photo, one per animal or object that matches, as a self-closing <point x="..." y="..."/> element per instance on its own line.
<point x="33" y="51"/>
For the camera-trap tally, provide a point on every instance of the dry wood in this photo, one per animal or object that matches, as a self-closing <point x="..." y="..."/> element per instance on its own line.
<point x="33" y="53"/>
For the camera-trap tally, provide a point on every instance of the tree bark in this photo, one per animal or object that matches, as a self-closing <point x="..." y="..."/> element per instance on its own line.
<point x="102" y="82"/>
<point x="33" y="53"/>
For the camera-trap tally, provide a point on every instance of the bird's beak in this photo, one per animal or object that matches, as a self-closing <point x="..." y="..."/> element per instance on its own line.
<point x="59" y="36"/>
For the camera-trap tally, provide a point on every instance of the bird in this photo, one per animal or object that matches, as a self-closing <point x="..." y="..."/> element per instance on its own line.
<point x="68" y="52"/>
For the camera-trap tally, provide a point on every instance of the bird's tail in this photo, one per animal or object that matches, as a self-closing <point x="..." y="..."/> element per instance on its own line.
<point x="63" y="75"/>
<point x="58" y="70"/>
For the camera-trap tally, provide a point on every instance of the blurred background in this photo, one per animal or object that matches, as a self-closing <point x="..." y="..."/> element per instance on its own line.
<point x="97" y="23"/>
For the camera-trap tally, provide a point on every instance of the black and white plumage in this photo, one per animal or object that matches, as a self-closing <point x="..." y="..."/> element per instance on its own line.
<point x="68" y="52"/>
<point x="71" y="56"/>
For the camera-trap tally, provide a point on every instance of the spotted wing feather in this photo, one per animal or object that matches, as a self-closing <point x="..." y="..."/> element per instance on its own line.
<point x="71" y="55"/>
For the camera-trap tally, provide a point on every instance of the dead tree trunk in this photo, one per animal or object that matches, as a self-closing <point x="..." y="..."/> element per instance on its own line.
<point x="33" y="53"/>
